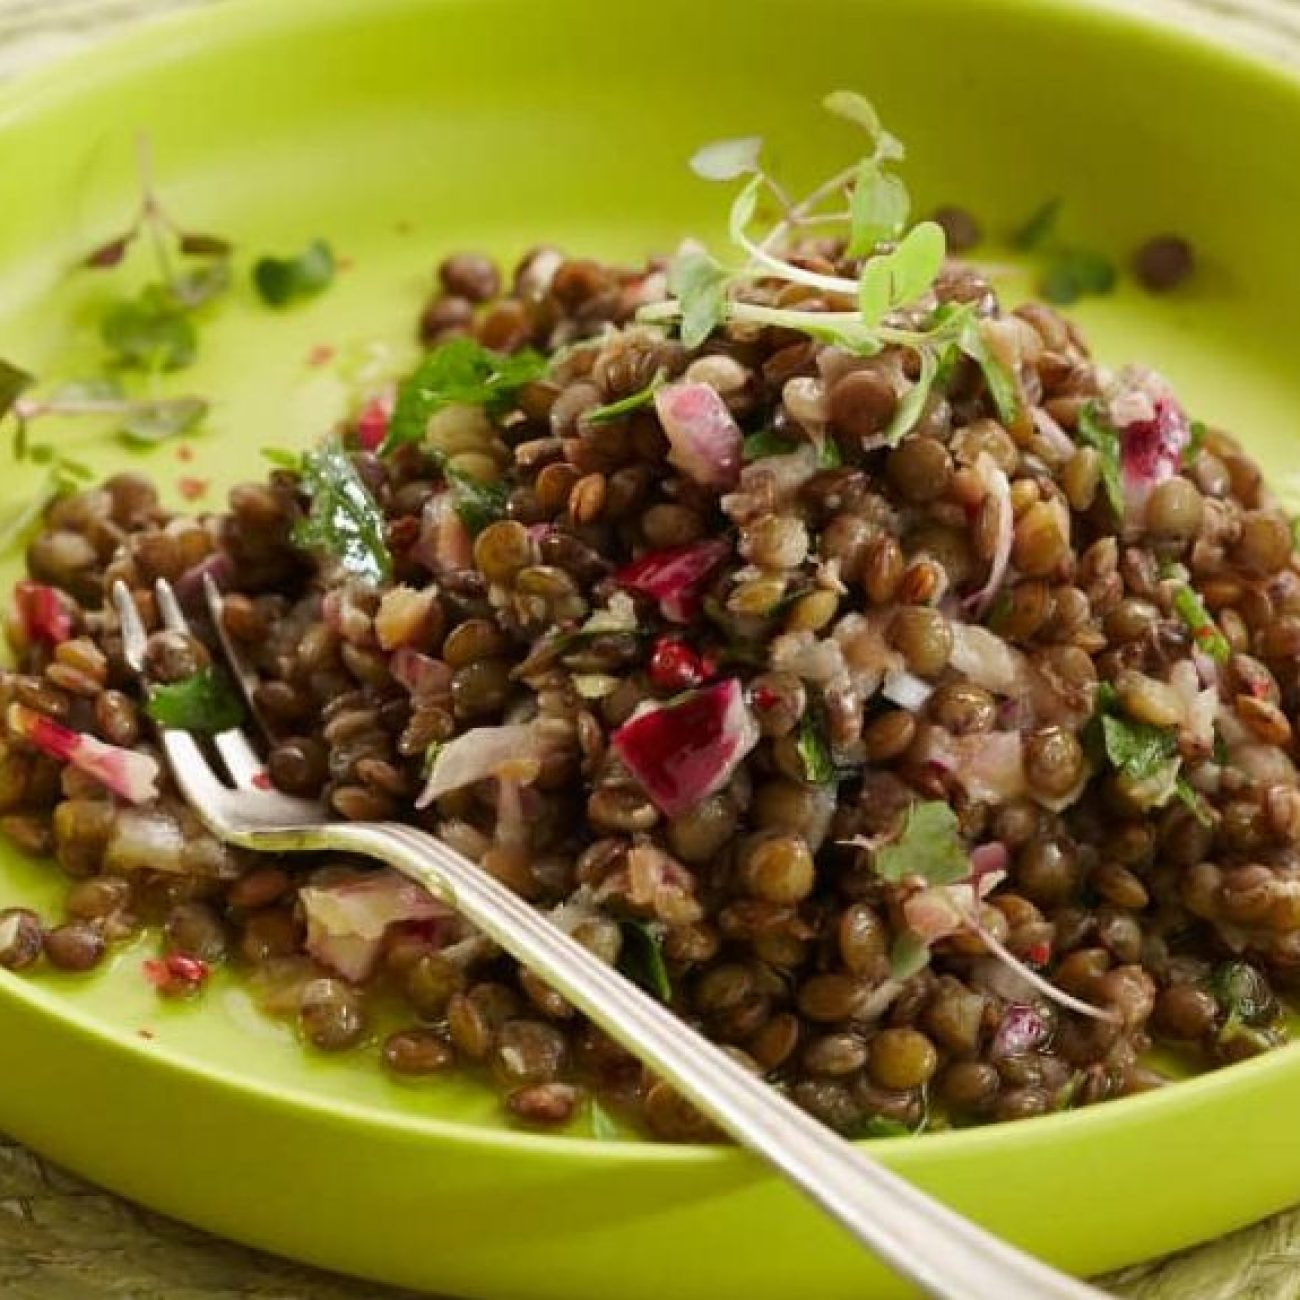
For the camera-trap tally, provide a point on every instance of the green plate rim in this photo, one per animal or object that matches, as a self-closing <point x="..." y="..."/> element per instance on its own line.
<point x="172" y="34"/>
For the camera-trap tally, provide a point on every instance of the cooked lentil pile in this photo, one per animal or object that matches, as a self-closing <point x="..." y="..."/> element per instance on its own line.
<point x="915" y="719"/>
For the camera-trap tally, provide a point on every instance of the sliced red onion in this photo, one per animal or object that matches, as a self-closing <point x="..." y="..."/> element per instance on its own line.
<point x="445" y="545"/>
<point x="484" y="752"/>
<point x="190" y="586"/>
<point x="820" y="661"/>
<point x="125" y="772"/>
<point x="986" y="859"/>
<point x="988" y="660"/>
<point x="682" y="753"/>
<point x="937" y="911"/>
<point x="420" y="674"/>
<point x="907" y="690"/>
<point x="145" y="839"/>
<point x="675" y="577"/>
<point x="1153" y="432"/>
<point x="1023" y="1028"/>
<point x="1054" y="439"/>
<point x="347" y="923"/>
<point x="45" y="613"/>
<point x="372" y="422"/>
<point x="1200" y="707"/>
<point x="989" y="767"/>
<point x="704" y="440"/>
<point x="999" y="489"/>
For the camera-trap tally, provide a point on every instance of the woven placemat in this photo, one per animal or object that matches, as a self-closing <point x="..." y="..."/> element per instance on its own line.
<point x="62" y="1239"/>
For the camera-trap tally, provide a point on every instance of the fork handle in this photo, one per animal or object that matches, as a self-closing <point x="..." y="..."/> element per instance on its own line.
<point x="943" y="1253"/>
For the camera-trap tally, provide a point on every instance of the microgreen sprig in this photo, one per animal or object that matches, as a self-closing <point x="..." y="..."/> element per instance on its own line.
<point x="868" y="205"/>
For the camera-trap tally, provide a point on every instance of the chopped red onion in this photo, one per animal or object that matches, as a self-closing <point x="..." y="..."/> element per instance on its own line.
<point x="484" y="752"/>
<point x="45" y="613"/>
<point x="445" y="545"/>
<point x="681" y="753"/>
<point x="145" y="839"/>
<point x="190" y="586"/>
<point x="999" y="489"/>
<point x="704" y="440"/>
<point x="1023" y="1028"/>
<point x="906" y="689"/>
<point x="133" y="776"/>
<point x="347" y="923"/>
<point x="989" y="766"/>
<point x="420" y="674"/>
<point x="988" y="660"/>
<point x="675" y="577"/>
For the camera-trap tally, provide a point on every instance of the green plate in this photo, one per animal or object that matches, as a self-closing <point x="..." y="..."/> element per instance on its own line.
<point x="401" y="130"/>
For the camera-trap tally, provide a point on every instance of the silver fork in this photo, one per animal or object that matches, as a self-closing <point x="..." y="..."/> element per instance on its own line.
<point x="944" y="1254"/>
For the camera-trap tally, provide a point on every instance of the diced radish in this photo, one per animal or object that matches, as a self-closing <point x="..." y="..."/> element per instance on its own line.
<point x="45" y="613"/>
<point x="1153" y="432"/>
<point x="347" y="923"/>
<point x="681" y="753"/>
<point x="704" y="439"/>
<point x="485" y="752"/>
<point x="125" y="772"/>
<point x="676" y="577"/>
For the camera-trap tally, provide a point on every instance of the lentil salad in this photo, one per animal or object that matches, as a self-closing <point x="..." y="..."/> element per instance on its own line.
<point x="899" y="693"/>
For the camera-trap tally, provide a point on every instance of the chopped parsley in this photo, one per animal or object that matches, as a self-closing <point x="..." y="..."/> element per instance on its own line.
<point x="205" y="703"/>
<point x="1095" y="432"/>
<point x="700" y="285"/>
<point x="814" y="751"/>
<point x="282" y="280"/>
<point x="459" y="371"/>
<point x="928" y="846"/>
<point x="642" y="958"/>
<point x="344" y="520"/>
<point x="477" y="504"/>
<point x="625" y="405"/>
<point x="1190" y="608"/>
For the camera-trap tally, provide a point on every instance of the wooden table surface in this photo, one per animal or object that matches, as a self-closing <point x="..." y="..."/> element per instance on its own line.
<point x="62" y="1239"/>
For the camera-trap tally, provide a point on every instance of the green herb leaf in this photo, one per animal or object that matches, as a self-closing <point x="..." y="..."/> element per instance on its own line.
<point x="603" y="1126"/>
<point x="1241" y="990"/>
<point x="1198" y="430"/>
<point x="1195" y="804"/>
<point x="194" y="288"/>
<point x="156" y="421"/>
<point x="459" y="371"/>
<point x="908" y="954"/>
<point x="283" y="459"/>
<point x="929" y="846"/>
<point x="196" y="244"/>
<point x="205" y="703"/>
<point x="878" y="208"/>
<point x="766" y="442"/>
<point x="149" y="332"/>
<point x="1039" y="228"/>
<point x="642" y="958"/>
<point x="477" y="504"/>
<point x="724" y="160"/>
<point x="281" y="280"/>
<point x="625" y="405"/>
<point x="1189" y="607"/>
<point x="1138" y="749"/>
<point x="1095" y="432"/>
<point x="14" y="382"/>
<point x="909" y="410"/>
<point x="699" y="283"/>
<point x="881" y="1126"/>
<point x="814" y="751"/>
<point x="344" y="520"/>
<point x="999" y="381"/>
<point x="893" y="279"/>
<point x="856" y="108"/>
<point x="1074" y="272"/>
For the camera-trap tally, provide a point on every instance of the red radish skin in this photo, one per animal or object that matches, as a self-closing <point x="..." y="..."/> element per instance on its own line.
<point x="372" y="423"/>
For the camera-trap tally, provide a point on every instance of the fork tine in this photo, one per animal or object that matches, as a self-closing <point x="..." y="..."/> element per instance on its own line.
<point x="238" y="668"/>
<point x="192" y="772"/>
<point x="241" y="759"/>
<point x="134" y="637"/>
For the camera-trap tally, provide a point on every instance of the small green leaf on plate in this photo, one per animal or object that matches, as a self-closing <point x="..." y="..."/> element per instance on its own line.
<point x="281" y="280"/>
